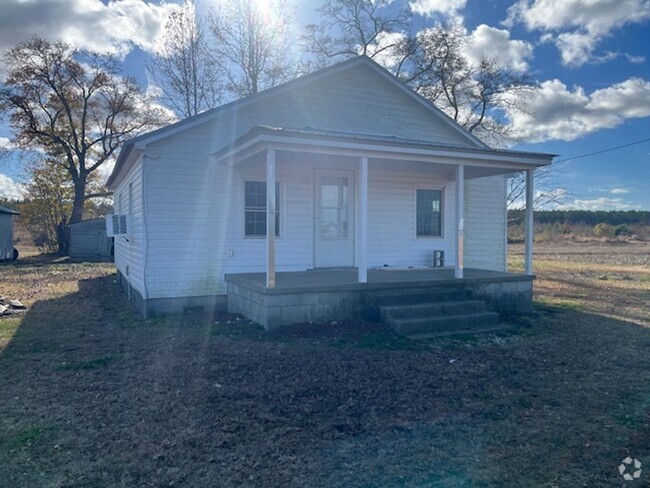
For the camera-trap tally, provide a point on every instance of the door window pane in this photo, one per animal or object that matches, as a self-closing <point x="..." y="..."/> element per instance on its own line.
<point x="333" y="207"/>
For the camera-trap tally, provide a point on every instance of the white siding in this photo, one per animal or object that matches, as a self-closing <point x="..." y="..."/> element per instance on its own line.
<point x="196" y="234"/>
<point x="355" y="101"/>
<point x="392" y="238"/>
<point x="129" y="255"/>
<point x="485" y="223"/>
<point x="195" y="208"/>
<point x="192" y="243"/>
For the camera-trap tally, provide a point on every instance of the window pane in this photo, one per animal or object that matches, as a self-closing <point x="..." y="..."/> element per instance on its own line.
<point x="329" y="195"/>
<point x="429" y="213"/>
<point x="333" y="207"/>
<point x="328" y="223"/>
<point x="343" y="222"/>
<point x="255" y="208"/>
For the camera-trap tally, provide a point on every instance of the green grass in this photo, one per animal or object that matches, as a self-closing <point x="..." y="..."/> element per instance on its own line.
<point x="87" y="364"/>
<point x="636" y="410"/>
<point x="8" y="327"/>
<point x="383" y="341"/>
<point x="564" y="304"/>
<point x="34" y="434"/>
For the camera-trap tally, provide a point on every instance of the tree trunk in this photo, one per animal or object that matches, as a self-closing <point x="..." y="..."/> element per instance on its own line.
<point x="60" y="236"/>
<point x="76" y="216"/>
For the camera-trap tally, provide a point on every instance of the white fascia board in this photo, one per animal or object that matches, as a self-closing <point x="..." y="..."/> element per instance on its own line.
<point x="514" y="162"/>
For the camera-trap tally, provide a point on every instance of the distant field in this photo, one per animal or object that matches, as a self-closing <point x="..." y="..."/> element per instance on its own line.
<point x="93" y="396"/>
<point x="612" y="279"/>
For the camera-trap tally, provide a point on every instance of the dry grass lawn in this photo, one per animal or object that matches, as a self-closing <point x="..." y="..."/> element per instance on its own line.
<point x="93" y="396"/>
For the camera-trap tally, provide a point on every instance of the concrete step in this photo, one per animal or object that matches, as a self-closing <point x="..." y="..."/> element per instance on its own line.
<point x="458" y="307"/>
<point x="410" y="296"/>
<point x="447" y="323"/>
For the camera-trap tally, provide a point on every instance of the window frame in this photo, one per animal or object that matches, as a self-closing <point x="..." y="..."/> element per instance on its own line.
<point x="443" y="197"/>
<point x="279" y="204"/>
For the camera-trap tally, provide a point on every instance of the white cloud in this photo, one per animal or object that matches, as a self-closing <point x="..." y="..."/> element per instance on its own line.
<point x="619" y="191"/>
<point x="576" y="47"/>
<point x="114" y="26"/>
<point x="105" y="170"/>
<point x="386" y="48"/>
<point x="11" y="189"/>
<point x="5" y="144"/>
<point x="601" y="203"/>
<point x="554" y="111"/>
<point x="577" y="26"/>
<point x="493" y="43"/>
<point x="430" y="7"/>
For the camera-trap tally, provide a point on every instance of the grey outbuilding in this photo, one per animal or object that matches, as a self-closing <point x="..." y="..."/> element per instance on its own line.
<point x="7" y="250"/>
<point x="88" y="241"/>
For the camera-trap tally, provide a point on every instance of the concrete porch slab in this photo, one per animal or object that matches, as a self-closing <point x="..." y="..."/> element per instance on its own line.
<point x="335" y="294"/>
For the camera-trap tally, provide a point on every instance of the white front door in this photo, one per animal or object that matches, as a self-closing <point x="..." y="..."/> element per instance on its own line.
<point x="334" y="218"/>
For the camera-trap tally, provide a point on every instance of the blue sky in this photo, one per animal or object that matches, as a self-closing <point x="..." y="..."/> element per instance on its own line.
<point x="590" y="57"/>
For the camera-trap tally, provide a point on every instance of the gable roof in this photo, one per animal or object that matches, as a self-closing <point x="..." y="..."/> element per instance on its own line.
<point x="138" y="143"/>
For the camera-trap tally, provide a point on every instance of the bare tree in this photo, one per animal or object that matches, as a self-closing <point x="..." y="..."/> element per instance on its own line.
<point x="252" y="45"/>
<point x="74" y="106"/>
<point x="187" y="80"/>
<point x="476" y="95"/>
<point x="352" y="27"/>
<point x="547" y="190"/>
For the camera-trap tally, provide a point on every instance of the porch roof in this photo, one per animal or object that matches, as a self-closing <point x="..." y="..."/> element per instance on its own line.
<point x="256" y="141"/>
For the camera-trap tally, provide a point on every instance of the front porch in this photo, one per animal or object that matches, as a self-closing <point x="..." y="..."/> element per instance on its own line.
<point x="337" y="294"/>
<point x="377" y="207"/>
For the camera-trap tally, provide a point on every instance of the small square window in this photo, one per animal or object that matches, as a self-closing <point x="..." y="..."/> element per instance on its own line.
<point x="428" y="213"/>
<point x="255" y="209"/>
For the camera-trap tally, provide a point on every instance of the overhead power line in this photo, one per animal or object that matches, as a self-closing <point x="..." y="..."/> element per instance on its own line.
<point x="614" y="148"/>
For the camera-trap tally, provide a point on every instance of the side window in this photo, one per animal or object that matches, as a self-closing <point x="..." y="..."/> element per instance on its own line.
<point x="255" y="209"/>
<point x="428" y="213"/>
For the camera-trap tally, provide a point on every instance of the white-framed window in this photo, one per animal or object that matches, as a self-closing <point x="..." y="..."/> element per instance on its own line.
<point x="255" y="209"/>
<point x="428" y="212"/>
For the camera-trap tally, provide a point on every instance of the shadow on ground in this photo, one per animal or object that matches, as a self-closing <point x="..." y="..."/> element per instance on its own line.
<point x="91" y="395"/>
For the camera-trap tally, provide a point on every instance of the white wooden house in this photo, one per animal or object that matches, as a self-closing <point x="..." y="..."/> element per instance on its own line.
<point x="345" y="170"/>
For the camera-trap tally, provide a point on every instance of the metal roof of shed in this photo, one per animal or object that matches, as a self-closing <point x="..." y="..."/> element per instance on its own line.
<point x="6" y="210"/>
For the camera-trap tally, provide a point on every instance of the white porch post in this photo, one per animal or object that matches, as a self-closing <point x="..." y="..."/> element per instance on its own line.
<point x="270" y="218"/>
<point x="363" y="220"/>
<point x="460" y="220"/>
<point x="528" y="253"/>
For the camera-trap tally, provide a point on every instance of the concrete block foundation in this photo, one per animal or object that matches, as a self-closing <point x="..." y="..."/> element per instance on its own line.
<point x="310" y="302"/>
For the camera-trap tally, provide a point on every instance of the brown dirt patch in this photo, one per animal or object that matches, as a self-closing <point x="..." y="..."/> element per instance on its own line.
<point x="90" y="395"/>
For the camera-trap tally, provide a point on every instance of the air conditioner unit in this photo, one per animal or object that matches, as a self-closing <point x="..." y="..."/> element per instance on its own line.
<point x="118" y="225"/>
